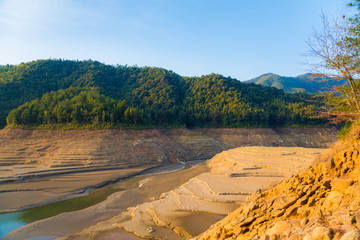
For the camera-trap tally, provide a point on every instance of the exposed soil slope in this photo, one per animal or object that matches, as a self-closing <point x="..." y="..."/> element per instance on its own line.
<point x="94" y="148"/>
<point x="322" y="202"/>
<point x="26" y="153"/>
<point x="49" y="159"/>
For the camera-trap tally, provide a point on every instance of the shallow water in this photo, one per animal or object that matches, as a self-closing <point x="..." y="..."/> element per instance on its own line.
<point x="10" y="222"/>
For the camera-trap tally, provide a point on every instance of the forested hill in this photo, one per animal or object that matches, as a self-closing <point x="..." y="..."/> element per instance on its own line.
<point x="73" y="94"/>
<point x="309" y="83"/>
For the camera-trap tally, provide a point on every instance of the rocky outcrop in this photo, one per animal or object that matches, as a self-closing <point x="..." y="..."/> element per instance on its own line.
<point x="322" y="202"/>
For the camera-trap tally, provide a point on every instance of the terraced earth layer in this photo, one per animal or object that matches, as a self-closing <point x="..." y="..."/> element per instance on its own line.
<point x="26" y="153"/>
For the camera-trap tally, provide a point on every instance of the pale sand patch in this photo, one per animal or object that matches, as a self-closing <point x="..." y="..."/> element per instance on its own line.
<point x="227" y="188"/>
<point x="281" y="161"/>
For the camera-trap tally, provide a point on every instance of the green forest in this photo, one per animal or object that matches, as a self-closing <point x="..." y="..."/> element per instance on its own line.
<point x="89" y="94"/>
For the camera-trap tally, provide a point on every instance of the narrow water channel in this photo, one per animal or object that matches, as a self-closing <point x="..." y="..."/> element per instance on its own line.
<point x="9" y="222"/>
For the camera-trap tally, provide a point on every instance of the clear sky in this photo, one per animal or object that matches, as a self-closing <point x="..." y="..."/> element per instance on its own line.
<point x="238" y="38"/>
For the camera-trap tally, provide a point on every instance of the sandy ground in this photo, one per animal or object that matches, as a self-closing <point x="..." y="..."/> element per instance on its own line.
<point x="177" y="205"/>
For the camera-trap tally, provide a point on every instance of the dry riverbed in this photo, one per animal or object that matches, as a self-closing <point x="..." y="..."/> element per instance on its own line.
<point x="180" y="204"/>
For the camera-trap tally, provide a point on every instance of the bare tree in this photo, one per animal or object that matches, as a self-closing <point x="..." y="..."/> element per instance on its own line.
<point x="339" y="58"/>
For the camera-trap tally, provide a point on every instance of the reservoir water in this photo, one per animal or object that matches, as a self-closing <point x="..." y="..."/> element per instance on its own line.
<point x="12" y="221"/>
<point x="9" y="222"/>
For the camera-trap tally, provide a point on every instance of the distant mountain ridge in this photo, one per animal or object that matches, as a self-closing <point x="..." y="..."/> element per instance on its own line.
<point x="305" y="83"/>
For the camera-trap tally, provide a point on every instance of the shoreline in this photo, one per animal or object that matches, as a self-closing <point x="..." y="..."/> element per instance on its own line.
<point x="149" y="172"/>
<point x="136" y="192"/>
<point x="88" y="189"/>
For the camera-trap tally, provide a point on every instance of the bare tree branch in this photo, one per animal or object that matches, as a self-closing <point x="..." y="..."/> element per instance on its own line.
<point x="339" y="59"/>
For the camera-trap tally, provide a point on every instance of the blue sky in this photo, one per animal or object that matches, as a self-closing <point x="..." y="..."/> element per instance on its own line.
<point x="238" y="38"/>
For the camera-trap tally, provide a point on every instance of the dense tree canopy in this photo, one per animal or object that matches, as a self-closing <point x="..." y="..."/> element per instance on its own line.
<point x="218" y="101"/>
<point x="74" y="105"/>
<point x="76" y="93"/>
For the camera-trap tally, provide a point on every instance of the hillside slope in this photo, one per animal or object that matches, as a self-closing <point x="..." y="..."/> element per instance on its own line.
<point x="67" y="94"/>
<point x="321" y="202"/>
<point x="309" y="83"/>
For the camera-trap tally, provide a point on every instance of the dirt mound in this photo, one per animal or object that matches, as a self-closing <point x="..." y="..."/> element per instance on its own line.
<point x="321" y="202"/>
